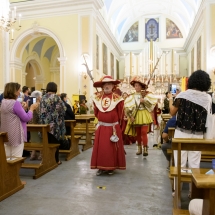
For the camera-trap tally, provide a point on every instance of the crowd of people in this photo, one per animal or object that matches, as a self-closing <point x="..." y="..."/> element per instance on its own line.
<point x="121" y="119"/>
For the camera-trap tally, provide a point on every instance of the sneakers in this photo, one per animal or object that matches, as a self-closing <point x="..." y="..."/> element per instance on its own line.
<point x="99" y="172"/>
<point x="110" y="172"/>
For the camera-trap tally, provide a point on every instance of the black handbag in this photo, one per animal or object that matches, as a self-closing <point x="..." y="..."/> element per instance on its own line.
<point x="65" y="144"/>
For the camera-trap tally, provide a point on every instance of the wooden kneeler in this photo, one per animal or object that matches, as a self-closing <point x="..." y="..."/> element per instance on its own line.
<point x="10" y="181"/>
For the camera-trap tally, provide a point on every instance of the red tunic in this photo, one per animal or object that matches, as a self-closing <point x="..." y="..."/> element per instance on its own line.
<point x="107" y="155"/>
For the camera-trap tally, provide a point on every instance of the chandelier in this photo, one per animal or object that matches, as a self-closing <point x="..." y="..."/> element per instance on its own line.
<point x="8" y="18"/>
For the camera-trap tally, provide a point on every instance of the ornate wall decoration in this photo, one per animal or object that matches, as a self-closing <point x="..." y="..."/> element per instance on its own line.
<point x="132" y="34"/>
<point x="97" y="52"/>
<point x="199" y="53"/>
<point x="112" y="64"/>
<point x="192" y="60"/>
<point x="172" y="30"/>
<point x="104" y="50"/>
<point x="152" y="30"/>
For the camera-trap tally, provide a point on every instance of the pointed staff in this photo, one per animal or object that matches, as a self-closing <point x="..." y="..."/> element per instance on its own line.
<point x="88" y="71"/>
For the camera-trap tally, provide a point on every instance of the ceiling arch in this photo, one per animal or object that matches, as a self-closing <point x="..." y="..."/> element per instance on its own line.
<point x="121" y="13"/>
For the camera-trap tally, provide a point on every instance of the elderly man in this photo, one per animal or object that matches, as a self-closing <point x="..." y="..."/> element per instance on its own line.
<point x="108" y="151"/>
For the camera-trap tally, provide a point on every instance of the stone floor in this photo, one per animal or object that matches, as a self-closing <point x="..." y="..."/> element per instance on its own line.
<point x="144" y="188"/>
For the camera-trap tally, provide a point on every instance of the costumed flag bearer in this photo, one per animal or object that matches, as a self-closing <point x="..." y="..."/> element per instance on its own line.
<point x="138" y="108"/>
<point x="108" y="150"/>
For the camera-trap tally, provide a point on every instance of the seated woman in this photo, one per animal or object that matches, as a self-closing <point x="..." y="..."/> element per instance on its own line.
<point x="52" y="112"/>
<point x="69" y="115"/>
<point x="35" y="138"/>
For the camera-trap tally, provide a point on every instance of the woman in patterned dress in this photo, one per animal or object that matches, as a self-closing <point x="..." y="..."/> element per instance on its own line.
<point x="52" y="111"/>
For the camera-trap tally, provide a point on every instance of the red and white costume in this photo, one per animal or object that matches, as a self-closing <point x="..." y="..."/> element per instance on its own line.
<point x="108" y="155"/>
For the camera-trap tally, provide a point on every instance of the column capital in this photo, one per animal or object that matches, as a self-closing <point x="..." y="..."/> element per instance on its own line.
<point x="62" y="60"/>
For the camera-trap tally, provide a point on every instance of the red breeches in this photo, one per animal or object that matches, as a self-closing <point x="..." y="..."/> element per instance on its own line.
<point x="142" y="137"/>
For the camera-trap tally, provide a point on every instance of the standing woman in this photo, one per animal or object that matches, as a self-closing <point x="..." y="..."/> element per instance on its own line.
<point x="138" y="108"/>
<point x="192" y="108"/>
<point x="14" y="119"/>
<point x="69" y="115"/>
<point x="52" y="111"/>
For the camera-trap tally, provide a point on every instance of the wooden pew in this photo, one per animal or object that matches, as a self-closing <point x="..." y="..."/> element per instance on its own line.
<point x="74" y="149"/>
<point x="48" y="150"/>
<point x="87" y="131"/>
<point x="10" y="181"/>
<point x="187" y="145"/>
<point x="206" y="156"/>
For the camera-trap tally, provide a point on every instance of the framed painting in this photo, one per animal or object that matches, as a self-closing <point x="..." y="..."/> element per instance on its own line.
<point x="192" y="61"/>
<point x="132" y="34"/>
<point x="199" y="54"/>
<point x="117" y="70"/>
<point x="112" y="64"/>
<point x="97" y="52"/>
<point x="104" y="50"/>
<point x="172" y="30"/>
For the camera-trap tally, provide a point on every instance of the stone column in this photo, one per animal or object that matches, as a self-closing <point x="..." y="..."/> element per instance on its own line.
<point x="62" y="86"/>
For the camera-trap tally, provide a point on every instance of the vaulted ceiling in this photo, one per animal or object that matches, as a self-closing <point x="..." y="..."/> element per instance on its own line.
<point x="121" y="14"/>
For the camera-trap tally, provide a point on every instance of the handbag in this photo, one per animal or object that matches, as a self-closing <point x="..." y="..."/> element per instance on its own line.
<point x="210" y="127"/>
<point x="65" y="144"/>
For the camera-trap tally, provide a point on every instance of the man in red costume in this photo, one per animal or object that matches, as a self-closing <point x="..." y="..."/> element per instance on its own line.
<point x="108" y="151"/>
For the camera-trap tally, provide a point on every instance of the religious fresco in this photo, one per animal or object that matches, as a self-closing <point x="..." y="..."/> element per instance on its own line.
<point x="97" y="52"/>
<point x="104" y="50"/>
<point x="192" y="60"/>
<point x="132" y="34"/>
<point x="172" y="30"/>
<point x="117" y="69"/>
<point x="199" y="54"/>
<point x="112" y="64"/>
<point x="152" y="30"/>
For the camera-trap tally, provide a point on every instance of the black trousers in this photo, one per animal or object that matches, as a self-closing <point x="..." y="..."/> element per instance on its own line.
<point x="53" y="140"/>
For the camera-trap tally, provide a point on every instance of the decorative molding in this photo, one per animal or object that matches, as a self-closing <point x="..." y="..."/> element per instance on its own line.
<point x="195" y="26"/>
<point x="104" y="31"/>
<point x="30" y="32"/>
<point x="41" y="8"/>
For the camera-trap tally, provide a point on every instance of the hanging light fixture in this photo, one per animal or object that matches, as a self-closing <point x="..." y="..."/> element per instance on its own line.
<point x="8" y="18"/>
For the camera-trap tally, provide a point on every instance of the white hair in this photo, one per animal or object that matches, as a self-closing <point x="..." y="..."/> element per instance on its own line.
<point x="36" y="94"/>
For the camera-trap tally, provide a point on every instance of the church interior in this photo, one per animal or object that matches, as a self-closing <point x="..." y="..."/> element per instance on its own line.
<point x="75" y="43"/>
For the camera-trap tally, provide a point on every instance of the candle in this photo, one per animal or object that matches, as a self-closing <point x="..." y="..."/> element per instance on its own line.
<point x="20" y="19"/>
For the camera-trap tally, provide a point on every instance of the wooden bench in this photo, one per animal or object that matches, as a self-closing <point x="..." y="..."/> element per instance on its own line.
<point x="85" y="130"/>
<point x="74" y="149"/>
<point x="206" y="156"/>
<point x="10" y="181"/>
<point x="180" y="212"/>
<point x="187" y="145"/>
<point x="48" y="151"/>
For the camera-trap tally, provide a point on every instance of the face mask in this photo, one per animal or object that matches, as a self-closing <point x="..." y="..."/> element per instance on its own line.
<point x="19" y="100"/>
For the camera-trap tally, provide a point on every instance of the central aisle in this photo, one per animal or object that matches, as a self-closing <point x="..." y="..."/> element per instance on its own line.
<point x="143" y="189"/>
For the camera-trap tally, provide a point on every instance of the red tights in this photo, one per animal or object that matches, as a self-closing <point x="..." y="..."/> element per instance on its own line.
<point x="142" y="138"/>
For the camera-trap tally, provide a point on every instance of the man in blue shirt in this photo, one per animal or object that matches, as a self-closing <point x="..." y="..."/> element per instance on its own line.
<point x="167" y="143"/>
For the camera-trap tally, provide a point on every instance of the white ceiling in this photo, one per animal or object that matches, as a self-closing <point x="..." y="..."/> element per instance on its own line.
<point x="121" y="14"/>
